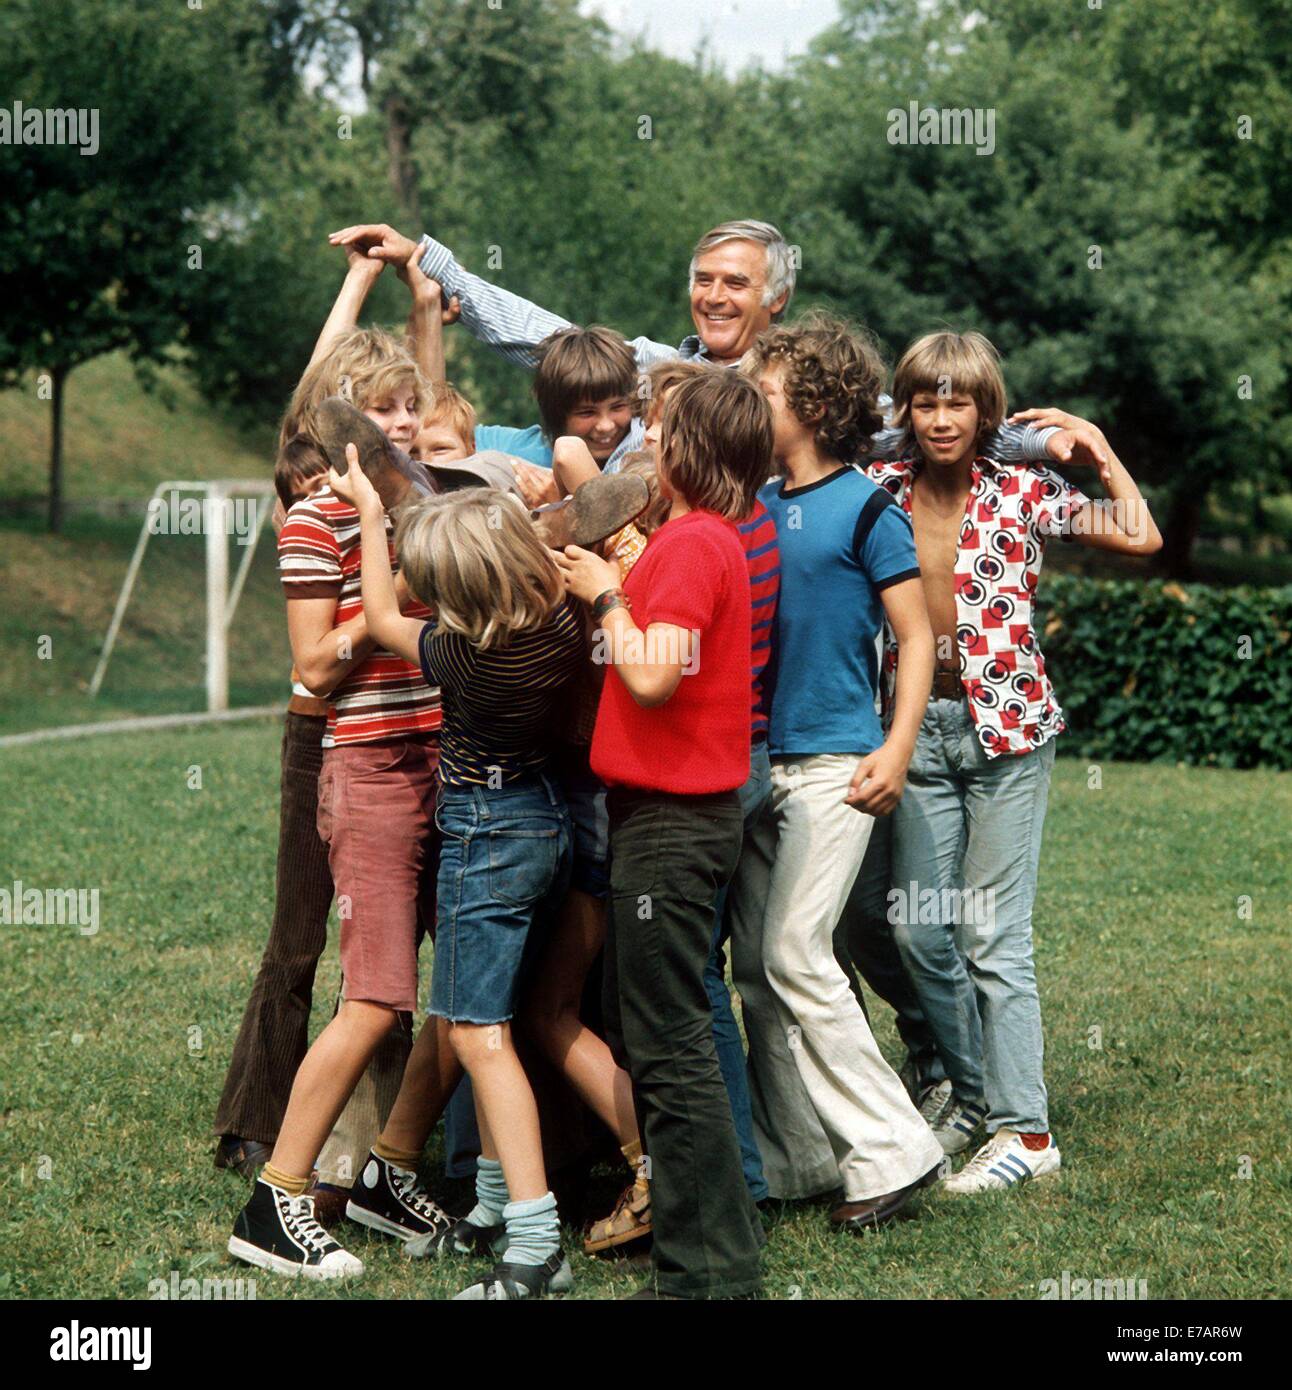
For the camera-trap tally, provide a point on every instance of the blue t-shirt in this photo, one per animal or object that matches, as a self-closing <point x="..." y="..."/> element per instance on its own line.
<point x="843" y="540"/>
<point x="526" y="444"/>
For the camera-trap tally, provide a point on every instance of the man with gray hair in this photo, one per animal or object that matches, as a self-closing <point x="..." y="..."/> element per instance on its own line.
<point x="741" y="280"/>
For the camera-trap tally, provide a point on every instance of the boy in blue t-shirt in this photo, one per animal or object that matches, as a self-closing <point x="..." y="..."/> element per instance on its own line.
<point x="847" y="561"/>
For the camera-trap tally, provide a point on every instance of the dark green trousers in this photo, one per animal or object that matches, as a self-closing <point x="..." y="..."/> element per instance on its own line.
<point x="669" y="857"/>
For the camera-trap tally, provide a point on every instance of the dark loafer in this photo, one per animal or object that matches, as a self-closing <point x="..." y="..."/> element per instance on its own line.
<point x="879" y="1211"/>
<point x="329" y="1204"/>
<point x="596" y="509"/>
<point x="246" y="1157"/>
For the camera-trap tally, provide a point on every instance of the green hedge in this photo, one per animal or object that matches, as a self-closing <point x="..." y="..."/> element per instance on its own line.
<point x="1150" y="671"/>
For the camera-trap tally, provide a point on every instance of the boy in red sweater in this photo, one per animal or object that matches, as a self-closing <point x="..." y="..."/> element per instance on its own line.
<point x="672" y="742"/>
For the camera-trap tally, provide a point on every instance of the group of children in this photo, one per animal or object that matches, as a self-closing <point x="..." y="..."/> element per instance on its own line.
<point x="708" y="659"/>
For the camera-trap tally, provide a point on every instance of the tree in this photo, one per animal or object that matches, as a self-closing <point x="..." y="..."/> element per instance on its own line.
<point x="1208" y="85"/>
<point x="1069" y="246"/>
<point x="95" y="247"/>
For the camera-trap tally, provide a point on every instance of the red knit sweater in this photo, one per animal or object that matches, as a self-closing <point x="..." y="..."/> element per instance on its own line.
<point x="693" y="575"/>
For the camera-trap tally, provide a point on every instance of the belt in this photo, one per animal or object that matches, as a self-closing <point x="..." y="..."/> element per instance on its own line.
<point x="307" y="704"/>
<point x="947" y="684"/>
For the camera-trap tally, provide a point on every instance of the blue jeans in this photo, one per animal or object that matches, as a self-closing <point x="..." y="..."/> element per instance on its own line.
<point x="726" y="1034"/>
<point x="966" y="844"/>
<point x="504" y="867"/>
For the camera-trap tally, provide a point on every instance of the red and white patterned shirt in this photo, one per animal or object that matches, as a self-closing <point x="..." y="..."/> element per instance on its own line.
<point x="1012" y="510"/>
<point x="384" y="697"/>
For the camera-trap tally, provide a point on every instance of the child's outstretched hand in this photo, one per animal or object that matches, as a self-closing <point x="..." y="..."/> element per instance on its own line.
<point x="1078" y="442"/>
<point x="586" y="575"/>
<point x="537" y="485"/>
<point x="354" y="486"/>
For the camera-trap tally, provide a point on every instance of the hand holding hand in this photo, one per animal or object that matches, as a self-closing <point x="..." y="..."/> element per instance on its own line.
<point x="357" y="262"/>
<point x="377" y="241"/>
<point x="428" y="292"/>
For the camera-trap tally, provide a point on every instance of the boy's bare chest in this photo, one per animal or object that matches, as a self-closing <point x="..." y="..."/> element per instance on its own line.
<point x="937" y="535"/>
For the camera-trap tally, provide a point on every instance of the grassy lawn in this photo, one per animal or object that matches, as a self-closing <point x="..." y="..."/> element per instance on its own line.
<point x="109" y="1090"/>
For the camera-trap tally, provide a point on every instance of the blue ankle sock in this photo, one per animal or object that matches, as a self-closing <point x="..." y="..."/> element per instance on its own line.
<point x="491" y="1194"/>
<point x="533" y="1230"/>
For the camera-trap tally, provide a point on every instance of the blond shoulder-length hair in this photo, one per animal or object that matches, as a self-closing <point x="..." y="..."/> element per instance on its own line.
<point x="366" y="366"/>
<point x="475" y="557"/>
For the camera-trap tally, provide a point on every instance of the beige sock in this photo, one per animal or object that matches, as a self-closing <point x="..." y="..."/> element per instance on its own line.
<point x="401" y="1158"/>
<point x="295" y="1187"/>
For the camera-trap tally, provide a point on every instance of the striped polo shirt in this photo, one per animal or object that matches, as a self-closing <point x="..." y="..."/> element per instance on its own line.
<point x="758" y="536"/>
<point x="501" y="703"/>
<point x="384" y="697"/>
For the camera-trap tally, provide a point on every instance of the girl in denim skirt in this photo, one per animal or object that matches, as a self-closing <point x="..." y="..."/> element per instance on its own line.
<point x="502" y="650"/>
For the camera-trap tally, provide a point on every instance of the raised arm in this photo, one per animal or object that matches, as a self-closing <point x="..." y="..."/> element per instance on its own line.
<point x="386" y="624"/>
<point x="360" y="276"/>
<point x="426" y="320"/>
<point x="506" y="322"/>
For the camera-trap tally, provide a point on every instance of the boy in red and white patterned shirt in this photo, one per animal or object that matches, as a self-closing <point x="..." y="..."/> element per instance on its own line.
<point x="967" y="831"/>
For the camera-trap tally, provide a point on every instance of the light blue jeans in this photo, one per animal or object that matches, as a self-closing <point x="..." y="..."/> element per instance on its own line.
<point x="966" y="843"/>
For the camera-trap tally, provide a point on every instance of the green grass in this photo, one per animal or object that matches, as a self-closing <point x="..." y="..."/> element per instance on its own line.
<point x="1138" y="934"/>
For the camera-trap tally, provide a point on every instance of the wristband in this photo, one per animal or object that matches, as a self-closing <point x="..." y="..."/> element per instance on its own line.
<point x="604" y="602"/>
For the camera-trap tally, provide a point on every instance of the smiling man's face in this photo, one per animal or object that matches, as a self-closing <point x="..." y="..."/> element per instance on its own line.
<point x="727" y="298"/>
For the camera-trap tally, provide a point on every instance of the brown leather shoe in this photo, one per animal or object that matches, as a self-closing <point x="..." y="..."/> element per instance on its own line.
<point x="879" y="1211"/>
<point x="246" y="1157"/>
<point x="596" y="509"/>
<point x="339" y="424"/>
<point x="629" y="1221"/>
<point x="329" y="1204"/>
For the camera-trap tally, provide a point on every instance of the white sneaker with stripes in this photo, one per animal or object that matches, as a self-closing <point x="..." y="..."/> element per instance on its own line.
<point x="934" y="1102"/>
<point x="1004" y="1161"/>
<point x="959" y="1124"/>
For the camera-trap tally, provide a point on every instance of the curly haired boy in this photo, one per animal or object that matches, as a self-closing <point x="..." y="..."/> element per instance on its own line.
<point x="847" y="562"/>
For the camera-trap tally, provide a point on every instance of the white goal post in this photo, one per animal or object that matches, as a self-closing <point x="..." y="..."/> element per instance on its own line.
<point x="215" y="509"/>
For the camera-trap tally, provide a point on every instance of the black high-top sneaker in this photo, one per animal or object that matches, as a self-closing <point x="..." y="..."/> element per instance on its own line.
<point x="392" y="1200"/>
<point x="279" y="1232"/>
